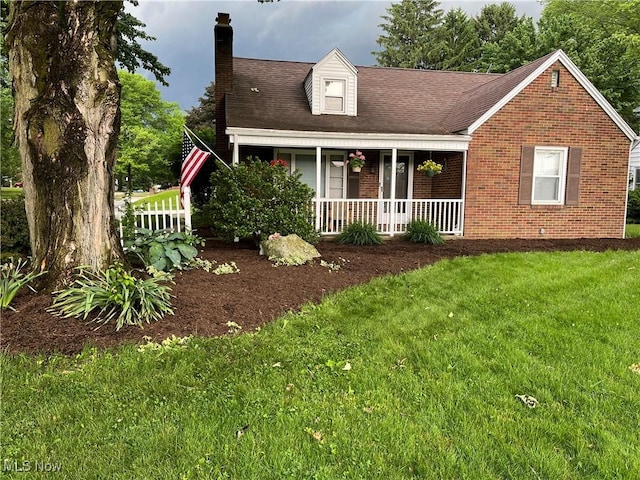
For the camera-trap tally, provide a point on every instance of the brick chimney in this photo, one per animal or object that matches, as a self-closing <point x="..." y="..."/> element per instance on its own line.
<point x="223" y="39"/>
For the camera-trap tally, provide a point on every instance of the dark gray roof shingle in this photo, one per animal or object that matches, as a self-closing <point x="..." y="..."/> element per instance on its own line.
<point x="390" y="100"/>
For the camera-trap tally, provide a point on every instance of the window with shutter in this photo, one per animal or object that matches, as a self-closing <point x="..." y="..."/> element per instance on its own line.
<point x="549" y="175"/>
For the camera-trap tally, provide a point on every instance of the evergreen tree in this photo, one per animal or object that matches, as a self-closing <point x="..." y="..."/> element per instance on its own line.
<point x="411" y="40"/>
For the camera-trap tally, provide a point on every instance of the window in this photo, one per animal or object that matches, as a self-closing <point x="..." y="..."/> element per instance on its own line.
<point x="555" y="78"/>
<point x="334" y="98"/>
<point x="549" y="175"/>
<point x="634" y="179"/>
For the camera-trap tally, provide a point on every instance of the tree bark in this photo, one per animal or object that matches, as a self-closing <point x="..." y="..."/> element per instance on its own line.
<point x="67" y="121"/>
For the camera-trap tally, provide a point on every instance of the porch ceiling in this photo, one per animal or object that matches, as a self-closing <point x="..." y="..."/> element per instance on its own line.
<point x="307" y="139"/>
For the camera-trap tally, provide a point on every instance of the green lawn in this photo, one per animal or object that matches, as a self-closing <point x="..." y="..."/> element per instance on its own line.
<point x="165" y="195"/>
<point x="413" y="376"/>
<point x="7" y="192"/>
<point x="632" y="231"/>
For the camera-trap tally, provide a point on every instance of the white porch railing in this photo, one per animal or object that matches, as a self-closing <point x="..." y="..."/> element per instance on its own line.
<point x="389" y="217"/>
<point x="164" y="215"/>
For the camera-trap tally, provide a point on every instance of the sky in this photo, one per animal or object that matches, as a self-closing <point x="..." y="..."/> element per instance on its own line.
<point x="295" y="30"/>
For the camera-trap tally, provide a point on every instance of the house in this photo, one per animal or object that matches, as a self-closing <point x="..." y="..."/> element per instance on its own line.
<point x="534" y="153"/>
<point x="634" y="167"/>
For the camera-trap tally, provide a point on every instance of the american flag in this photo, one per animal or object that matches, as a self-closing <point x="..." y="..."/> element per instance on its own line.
<point x="192" y="160"/>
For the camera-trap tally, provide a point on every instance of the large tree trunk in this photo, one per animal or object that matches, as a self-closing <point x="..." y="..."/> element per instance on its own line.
<point x="67" y="122"/>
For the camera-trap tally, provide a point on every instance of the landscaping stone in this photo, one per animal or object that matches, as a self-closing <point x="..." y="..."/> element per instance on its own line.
<point x="288" y="250"/>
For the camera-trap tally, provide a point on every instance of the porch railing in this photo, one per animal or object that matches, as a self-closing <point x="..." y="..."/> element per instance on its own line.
<point x="389" y="216"/>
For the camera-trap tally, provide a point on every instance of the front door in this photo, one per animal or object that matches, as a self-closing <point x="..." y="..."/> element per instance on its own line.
<point x="403" y="168"/>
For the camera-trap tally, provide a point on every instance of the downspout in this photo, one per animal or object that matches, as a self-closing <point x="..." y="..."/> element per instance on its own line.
<point x="463" y="192"/>
<point x="392" y="193"/>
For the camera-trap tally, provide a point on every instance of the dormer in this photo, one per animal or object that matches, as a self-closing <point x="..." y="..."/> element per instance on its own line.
<point x="332" y="86"/>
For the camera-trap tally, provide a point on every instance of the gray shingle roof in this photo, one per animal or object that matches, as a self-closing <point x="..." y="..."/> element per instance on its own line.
<point x="390" y="100"/>
<point x="475" y="103"/>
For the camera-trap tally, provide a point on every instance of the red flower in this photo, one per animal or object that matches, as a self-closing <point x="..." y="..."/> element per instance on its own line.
<point x="278" y="163"/>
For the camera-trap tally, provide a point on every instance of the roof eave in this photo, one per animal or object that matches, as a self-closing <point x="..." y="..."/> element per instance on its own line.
<point x="312" y="139"/>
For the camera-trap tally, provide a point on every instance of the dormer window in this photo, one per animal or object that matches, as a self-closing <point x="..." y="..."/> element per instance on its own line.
<point x="334" y="96"/>
<point x="332" y="86"/>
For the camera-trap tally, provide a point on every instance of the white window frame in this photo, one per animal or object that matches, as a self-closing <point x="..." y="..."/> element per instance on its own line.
<point x="323" y="104"/>
<point x="401" y="153"/>
<point x="326" y="154"/>
<point x="345" y="171"/>
<point x="562" y="184"/>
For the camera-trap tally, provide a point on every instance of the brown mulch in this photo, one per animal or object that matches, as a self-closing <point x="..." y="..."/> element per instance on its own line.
<point x="205" y="302"/>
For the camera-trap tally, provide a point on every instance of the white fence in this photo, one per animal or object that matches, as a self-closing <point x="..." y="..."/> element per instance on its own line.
<point x="164" y="215"/>
<point x="389" y="217"/>
<point x="332" y="215"/>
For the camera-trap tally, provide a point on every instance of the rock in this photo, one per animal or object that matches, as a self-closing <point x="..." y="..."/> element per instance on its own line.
<point x="288" y="250"/>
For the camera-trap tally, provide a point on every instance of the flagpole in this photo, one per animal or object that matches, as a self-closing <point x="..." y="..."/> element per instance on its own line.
<point x="189" y="131"/>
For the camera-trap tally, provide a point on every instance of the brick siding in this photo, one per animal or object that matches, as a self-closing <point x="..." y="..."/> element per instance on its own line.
<point x="565" y="116"/>
<point x="223" y="45"/>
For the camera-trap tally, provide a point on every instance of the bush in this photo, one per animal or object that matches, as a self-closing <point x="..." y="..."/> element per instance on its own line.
<point x="117" y="294"/>
<point x="162" y="249"/>
<point x="419" y="231"/>
<point x="359" y="233"/>
<point x="254" y="200"/>
<point x="633" y="206"/>
<point x="14" y="227"/>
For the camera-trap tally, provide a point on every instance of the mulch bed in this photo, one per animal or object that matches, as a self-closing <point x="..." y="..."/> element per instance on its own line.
<point x="205" y="302"/>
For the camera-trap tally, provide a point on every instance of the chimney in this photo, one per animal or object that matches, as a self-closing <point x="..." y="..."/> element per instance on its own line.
<point x="223" y="39"/>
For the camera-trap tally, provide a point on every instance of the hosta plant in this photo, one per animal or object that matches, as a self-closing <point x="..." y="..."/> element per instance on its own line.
<point x="12" y="279"/>
<point x="162" y="249"/>
<point x="113" y="294"/>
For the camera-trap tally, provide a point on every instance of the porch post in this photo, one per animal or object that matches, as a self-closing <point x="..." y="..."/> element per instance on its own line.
<point x="186" y="202"/>
<point x="236" y="151"/>
<point x="318" y="185"/>
<point x="463" y="191"/>
<point x="392" y="193"/>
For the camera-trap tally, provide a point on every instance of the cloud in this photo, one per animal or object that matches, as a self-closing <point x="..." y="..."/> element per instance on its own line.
<point x="286" y="30"/>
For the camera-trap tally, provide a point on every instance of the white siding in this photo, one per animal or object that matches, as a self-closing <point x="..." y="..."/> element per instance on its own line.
<point x="635" y="157"/>
<point x="308" y="88"/>
<point x="334" y="66"/>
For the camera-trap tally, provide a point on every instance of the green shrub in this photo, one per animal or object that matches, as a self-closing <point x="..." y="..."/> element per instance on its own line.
<point x="162" y="249"/>
<point x="116" y="294"/>
<point x="633" y="206"/>
<point x="360" y="233"/>
<point x="12" y="279"/>
<point x="256" y="199"/>
<point x="420" y="231"/>
<point x="14" y="227"/>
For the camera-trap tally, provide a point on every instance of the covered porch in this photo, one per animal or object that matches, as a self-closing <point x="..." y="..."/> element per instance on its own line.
<point x="388" y="192"/>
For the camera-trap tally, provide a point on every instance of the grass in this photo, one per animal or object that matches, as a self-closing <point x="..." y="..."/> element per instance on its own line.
<point x="165" y="195"/>
<point x="8" y="192"/>
<point x="632" y="231"/>
<point x="413" y="376"/>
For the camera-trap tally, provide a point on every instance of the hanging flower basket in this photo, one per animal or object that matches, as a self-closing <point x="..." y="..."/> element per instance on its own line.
<point x="430" y="168"/>
<point x="356" y="160"/>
